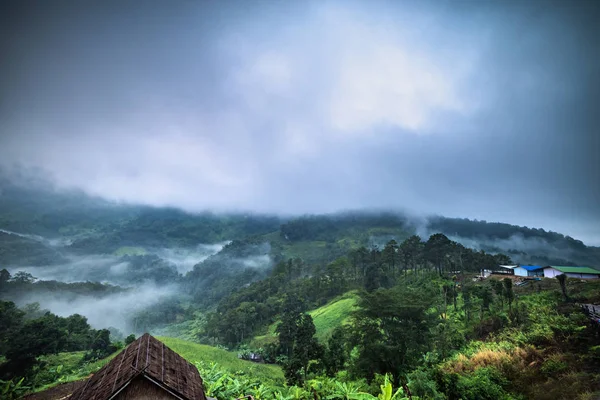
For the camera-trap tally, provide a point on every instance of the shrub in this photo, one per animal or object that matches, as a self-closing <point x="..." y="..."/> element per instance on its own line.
<point x="554" y="365"/>
<point x="483" y="384"/>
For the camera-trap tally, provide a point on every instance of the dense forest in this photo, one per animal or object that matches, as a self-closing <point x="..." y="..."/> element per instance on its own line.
<point x="344" y="305"/>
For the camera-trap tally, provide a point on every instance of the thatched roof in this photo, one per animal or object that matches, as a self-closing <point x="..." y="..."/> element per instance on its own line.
<point x="150" y="358"/>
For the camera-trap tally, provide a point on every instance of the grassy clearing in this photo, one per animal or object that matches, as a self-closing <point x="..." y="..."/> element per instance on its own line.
<point x="333" y="314"/>
<point x="194" y="352"/>
<point x="68" y="367"/>
<point x="326" y="319"/>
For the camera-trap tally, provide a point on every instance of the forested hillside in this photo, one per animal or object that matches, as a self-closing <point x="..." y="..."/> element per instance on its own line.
<point x="435" y="332"/>
<point x="342" y="303"/>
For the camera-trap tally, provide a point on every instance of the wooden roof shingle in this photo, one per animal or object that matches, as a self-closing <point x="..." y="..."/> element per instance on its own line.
<point x="149" y="357"/>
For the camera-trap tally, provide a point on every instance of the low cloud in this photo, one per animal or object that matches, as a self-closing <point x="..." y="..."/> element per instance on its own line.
<point x="56" y="242"/>
<point x="93" y="268"/>
<point x="259" y="262"/>
<point x="484" y="111"/>
<point x="114" y="310"/>
<point x="185" y="258"/>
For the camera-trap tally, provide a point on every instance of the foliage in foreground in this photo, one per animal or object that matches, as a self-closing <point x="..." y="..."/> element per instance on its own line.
<point x="222" y="385"/>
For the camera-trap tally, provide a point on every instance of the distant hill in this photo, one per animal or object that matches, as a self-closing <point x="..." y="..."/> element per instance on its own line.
<point x="80" y="224"/>
<point x="15" y="249"/>
<point x="524" y="245"/>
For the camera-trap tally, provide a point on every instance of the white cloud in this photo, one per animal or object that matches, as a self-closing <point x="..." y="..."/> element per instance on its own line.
<point x="339" y="74"/>
<point x="390" y="86"/>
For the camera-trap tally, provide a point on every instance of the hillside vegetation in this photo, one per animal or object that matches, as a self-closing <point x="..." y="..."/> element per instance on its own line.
<point x="72" y="366"/>
<point x="333" y="315"/>
<point x="227" y="360"/>
<point x="326" y="318"/>
<point x="345" y="305"/>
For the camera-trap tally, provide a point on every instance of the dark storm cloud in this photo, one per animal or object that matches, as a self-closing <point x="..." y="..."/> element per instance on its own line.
<point x="484" y="110"/>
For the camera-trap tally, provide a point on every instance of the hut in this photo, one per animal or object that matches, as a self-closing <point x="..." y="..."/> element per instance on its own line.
<point x="529" y="270"/>
<point x="146" y="369"/>
<point x="552" y="271"/>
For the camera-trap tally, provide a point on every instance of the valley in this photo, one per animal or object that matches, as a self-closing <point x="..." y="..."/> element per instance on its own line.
<point x="216" y="288"/>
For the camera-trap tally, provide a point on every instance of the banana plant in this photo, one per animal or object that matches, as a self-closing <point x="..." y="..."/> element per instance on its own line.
<point x="345" y="391"/>
<point x="12" y="390"/>
<point x="278" y="395"/>
<point x="262" y="392"/>
<point x="236" y="387"/>
<point x="298" y="393"/>
<point x="387" y="391"/>
<point x="324" y="387"/>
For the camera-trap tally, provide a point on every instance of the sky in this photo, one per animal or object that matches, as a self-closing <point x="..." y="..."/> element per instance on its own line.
<point x="484" y="110"/>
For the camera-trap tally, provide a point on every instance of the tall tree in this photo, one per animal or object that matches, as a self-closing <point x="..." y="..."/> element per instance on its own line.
<point x="467" y="301"/>
<point x="297" y="342"/>
<point x="390" y="330"/>
<point x="508" y="292"/>
<point x="287" y="329"/>
<point x="390" y="256"/>
<point x="22" y="277"/>
<point x="306" y="347"/>
<point x="562" y="280"/>
<point x="11" y="319"/>
<point x="34" y="338"/>
<point x="437" y="249"/>
<point x="336" y="355"/>
<point x="411" y="250"/>
<point x="498" y="288"/>
<point x="4" y="277"/>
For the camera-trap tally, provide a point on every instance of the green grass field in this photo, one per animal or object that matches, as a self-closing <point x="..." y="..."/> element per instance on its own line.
<point x="326" y="319"/>
<point x="67" y="367"/>
<point x="333" y="314"/>
<point x="228" y="360"/>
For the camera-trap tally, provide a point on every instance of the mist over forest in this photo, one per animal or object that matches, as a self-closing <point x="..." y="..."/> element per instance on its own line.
<point x="207" y="255"/>
<point x="390" y="200"/>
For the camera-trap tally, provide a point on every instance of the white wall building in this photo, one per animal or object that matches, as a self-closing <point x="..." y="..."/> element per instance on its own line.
<point x="529" y="270"/>
<point x="552" y="271"/>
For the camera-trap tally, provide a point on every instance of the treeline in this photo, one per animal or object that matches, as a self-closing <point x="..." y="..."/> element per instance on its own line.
<point x="26" y="334"/>
<point x="165" y="227"/>
<point x="241" y="314"/>
<point x="237" y="264"/>
<point x="436" y="335"/>
<point x="17" y="250"/>
<point x="21" y="283"/>
<point x="475" y="229"/>
<point x="330" y="228"/>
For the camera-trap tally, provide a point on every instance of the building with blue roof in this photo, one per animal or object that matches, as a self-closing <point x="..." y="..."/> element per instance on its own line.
<point x="529" y="270"/>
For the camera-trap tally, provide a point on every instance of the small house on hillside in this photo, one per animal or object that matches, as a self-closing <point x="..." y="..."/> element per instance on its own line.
<point x="529" y="270"/>
<point x="552" y="271"/>
<point x="146" y="369"/>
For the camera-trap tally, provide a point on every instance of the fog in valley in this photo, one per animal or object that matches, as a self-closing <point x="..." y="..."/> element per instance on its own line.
<point x="184" y="259"/>
<point x="112" y="310"/>
<point x="136" y="285"/>
<point x="302" y="199"/>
